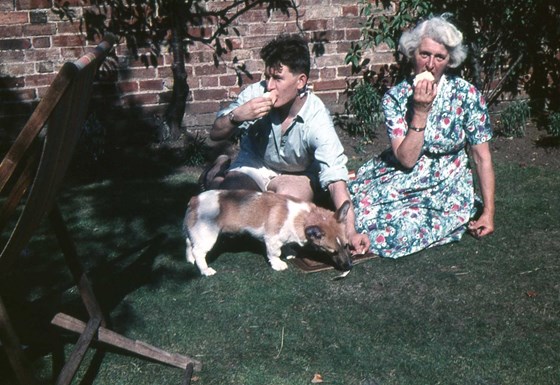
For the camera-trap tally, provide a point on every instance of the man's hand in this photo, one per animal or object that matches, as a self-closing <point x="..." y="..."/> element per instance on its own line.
<point x="256" y="108"/>
<point x="359" y="243"/>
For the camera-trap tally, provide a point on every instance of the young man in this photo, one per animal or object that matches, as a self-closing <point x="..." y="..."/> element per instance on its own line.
<point x="289" y="145"/>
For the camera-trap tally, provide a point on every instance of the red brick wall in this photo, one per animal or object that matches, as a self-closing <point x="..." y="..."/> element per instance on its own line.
<point x="34" y="43"/>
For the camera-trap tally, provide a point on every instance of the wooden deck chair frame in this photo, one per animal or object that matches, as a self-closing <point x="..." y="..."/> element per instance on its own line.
<point x="34" y="167"/>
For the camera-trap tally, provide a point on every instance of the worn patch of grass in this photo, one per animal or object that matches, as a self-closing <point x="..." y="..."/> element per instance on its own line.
<point x="474" y="312"/>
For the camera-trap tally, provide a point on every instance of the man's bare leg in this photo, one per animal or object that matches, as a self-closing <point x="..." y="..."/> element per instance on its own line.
<point x="297" y="186"/>
<point x="237" y="181"/>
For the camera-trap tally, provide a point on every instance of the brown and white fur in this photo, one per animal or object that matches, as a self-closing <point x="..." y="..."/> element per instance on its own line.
<point x="273" y="218"/>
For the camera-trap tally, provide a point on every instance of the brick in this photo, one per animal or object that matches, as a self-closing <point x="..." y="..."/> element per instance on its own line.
<point x="344" y="71"/>
<point x="33" y="4"/>
<point x="202" y="107"/>
<point x="11" y="44"/>
<point x="66" y="27"/>
<point x="327" y="73"/>
<point x="38" y="17"/>
<point x="253" y="16"/>
<point x="151" y="85"/>
<point x="11" y="31"/>
<point x="10" y="18"/>
<point x="39" y="29"/>
<point x="137" y="73"/>
<point x="68" y="41"/>
<point x="205" y="70"/>
<point x="382" y="58"/>
<point x="13" y="56"/>
<point x="41" y="42"/>
<point x="45" y="67"/>
<point x="329" y="98"/>
<point x="200" y="32"/>
<point x="315" y="25"/>
<point x="330" y="60"/>
<point x="324" y="85"/>
<point x="71" y="53"/>
<point x="17" y="69"/>
<point x="42" y="55"/>
<point x="350" y="10"/>
<point x="209" y="94"/>
<point x="165" y="72"/>
<point x="42" y="91"/>
<point x="127" y="87"/>
<point x="39" y="80"/>
<point x="352" y="34"/>
<point x="228" y="81"/>
<point x="209" y="81"/>
<point x="6" y="6"/>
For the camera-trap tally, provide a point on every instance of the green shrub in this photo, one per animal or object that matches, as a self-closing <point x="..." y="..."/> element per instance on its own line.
<point x="364" y="106"/>
<point x="553" y="127"/>
<point x="513" y="119"/>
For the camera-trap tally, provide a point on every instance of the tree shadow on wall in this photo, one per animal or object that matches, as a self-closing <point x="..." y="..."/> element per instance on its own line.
<point x="176" y="25"/>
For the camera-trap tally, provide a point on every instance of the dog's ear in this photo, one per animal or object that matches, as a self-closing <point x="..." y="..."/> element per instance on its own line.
<point x="342" y="212"/>
<point x="314" y="232"/>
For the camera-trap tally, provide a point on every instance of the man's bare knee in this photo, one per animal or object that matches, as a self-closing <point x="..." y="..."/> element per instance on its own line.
<point x="238" y="181"/>
<point x="297" y="186"/>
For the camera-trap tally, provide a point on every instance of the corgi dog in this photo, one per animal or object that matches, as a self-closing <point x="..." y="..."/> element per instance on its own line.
<point x="275" y="219"/>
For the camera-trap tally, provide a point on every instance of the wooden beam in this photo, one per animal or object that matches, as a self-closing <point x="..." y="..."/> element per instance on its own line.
<point x="137" y="347"/>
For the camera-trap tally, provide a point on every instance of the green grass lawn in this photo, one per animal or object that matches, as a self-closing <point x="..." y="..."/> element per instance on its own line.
<point x="473" y="312"/>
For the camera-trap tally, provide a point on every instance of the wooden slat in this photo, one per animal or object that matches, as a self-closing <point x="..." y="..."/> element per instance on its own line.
<point x="133" y="346"/>
<point x="87" y="336"/>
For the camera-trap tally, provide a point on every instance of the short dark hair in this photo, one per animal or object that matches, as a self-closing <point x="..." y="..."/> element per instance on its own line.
<point x="289" y="50"/>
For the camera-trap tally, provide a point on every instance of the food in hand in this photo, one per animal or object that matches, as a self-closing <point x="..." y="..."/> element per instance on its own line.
<point x="271" y="96"/>
<point x="426" y="75"/>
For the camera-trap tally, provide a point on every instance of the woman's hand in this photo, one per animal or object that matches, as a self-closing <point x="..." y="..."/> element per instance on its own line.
<point x="482" y="226"/>
<point x="485" y="171"/>
<point x="424" y="94"/>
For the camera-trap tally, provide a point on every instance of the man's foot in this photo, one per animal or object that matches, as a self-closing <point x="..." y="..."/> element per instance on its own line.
<point x="218" y="168"/>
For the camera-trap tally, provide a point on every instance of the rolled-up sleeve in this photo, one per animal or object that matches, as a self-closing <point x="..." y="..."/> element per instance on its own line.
<point x="329" y="152"/>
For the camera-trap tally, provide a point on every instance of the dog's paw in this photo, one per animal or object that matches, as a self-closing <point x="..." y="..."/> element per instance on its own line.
<point x="278" y="264"/>
<point x="208" y="272"/>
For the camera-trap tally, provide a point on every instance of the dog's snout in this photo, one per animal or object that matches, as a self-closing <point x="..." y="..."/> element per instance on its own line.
<point x="343" y="258"/>
<point x="347" y="265"/>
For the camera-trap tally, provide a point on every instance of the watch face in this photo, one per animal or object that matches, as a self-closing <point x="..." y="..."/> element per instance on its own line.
<point x="232" y="118"/>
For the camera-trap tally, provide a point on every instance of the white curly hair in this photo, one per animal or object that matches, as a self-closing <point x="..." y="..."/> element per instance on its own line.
<point x="440" y="30"/>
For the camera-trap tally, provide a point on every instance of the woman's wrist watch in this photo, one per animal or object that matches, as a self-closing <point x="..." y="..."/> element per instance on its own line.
<point x="417" y="129"/>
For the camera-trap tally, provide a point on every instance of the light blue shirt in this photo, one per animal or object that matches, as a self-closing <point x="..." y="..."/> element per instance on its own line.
<point x="309" y="145"/>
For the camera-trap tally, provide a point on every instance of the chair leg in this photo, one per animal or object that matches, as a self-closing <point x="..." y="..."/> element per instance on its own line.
<point x="102" y="334"/>
<point x="13" y="349"/>
<point x="71" y="256"/>
<point x="188" y="374"/>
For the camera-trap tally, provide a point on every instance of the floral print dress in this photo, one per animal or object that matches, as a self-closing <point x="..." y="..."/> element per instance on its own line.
<point x="407" y="210"/>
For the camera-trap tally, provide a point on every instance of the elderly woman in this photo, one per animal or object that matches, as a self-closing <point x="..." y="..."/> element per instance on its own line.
<point x="420" y="193"/>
